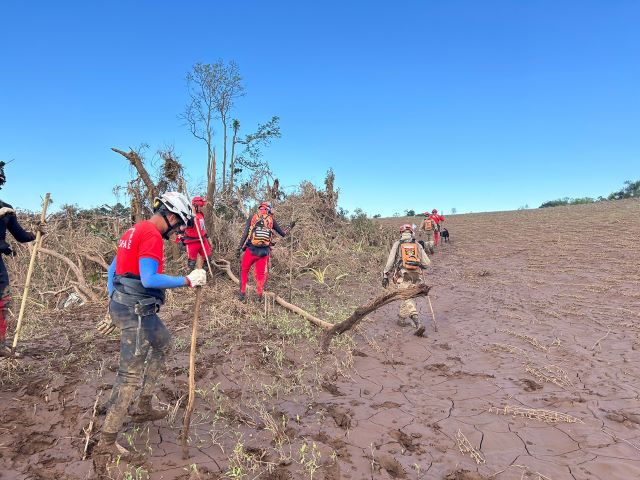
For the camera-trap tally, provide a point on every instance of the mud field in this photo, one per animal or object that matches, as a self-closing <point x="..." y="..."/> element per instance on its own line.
<point x="533" y="374"/>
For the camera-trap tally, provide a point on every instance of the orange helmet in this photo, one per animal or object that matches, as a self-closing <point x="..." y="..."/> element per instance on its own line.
<point x="406" y="228"/>
<point x="434" y="211"/>
<point x="198" y="201"/>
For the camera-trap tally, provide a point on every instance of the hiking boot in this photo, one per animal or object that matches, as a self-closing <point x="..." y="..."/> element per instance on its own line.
<point x="242" y="297"/>
<point x="5" y="351"/>
<point x="145" y="412"/>
<point x="420" y="331"/>
<point x="259" y="299"/>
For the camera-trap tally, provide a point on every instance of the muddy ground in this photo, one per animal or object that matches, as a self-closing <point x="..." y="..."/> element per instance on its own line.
<point x="537" y="310"/>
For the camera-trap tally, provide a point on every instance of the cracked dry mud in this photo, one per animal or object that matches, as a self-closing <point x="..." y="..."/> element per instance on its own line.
<point x="506" y="278"/>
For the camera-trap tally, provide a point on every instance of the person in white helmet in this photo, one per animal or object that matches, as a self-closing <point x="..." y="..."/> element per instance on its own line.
<point x="406" y="260"/>
<point x="136" y="286"/>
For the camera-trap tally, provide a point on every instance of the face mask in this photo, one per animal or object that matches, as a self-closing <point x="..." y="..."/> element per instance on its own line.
<point x="406" y="236"/>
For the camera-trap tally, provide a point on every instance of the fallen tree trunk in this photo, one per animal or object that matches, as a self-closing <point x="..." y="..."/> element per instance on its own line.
<point x="225" y="266"/>
<point x="361" y="312"/>
<point x="81" y="284"/>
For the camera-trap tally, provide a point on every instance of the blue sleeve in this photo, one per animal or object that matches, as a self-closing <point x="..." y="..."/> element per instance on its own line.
<point x="152" y="279"/>
<point x="110" y="273"/>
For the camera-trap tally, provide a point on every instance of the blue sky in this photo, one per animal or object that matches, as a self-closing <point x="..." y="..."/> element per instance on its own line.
<point x="477" y="105"/>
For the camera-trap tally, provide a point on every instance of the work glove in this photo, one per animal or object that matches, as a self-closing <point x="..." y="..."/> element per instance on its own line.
<point x="385" y="282"/>
<point x="197" y="278"/>
<point x="106" y="325"/>
<point x="6" y="211"/>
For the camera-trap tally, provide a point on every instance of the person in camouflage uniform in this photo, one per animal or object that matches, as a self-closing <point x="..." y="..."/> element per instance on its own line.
<point x="406" y="272"/>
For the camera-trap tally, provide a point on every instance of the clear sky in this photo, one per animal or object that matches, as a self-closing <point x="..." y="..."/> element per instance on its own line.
<point x="477" y="105"/>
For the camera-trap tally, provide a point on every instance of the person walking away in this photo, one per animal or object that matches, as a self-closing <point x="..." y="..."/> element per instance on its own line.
<point x="136" y="286"/>
<point x="8" y="222"/>
<point x="190" y="238"/>
<point x="427" y="230"/>
<point x="437" y="219"/>
<point x="256" y="244"/>
<point x="406" y="260"/>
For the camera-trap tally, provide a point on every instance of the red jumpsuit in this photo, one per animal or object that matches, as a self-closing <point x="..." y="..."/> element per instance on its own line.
<point x="192" y="242"/>
<point x="258" y="257"/>
<point x="437" y="219"/>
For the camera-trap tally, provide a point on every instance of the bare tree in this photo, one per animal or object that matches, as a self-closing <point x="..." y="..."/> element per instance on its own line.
<point x="213" y="89"/>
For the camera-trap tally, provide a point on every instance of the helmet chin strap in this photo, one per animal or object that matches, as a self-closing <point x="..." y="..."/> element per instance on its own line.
<point x="170" y="227"/>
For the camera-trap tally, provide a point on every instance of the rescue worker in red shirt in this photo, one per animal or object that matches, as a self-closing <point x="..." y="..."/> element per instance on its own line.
<point x="437" y="219"/>
<point x="136" y="286"/>
<point x="8" y="222"/>
<point x="191" y="237"/>
<point x="256" y="244"/>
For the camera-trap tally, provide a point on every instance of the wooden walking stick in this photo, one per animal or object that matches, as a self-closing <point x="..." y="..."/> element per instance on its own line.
<point x="433" y="315"/>
<point x="32" y="263"/>
<point x="203" y="249"/>
<point x="192" y="370"/>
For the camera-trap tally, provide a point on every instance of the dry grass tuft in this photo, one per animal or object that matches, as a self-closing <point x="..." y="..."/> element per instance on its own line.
<point x="467" y="449"/>
<point x="546" y="416"/>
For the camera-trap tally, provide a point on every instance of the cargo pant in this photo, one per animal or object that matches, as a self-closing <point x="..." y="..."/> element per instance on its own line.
<point x="406" y="280"/>
<point x="154" y="344"/>
<point x="428" y="237"/>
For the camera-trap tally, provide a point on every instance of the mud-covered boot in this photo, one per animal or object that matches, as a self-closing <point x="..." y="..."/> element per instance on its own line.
<point x="420" y="329"/>
<point x="145" y="412"/>
<point x="5" y="351"/>
<point x="107" y="451"/>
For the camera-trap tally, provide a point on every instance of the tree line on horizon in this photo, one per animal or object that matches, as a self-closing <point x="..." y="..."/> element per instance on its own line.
<point x="630" y="190"/>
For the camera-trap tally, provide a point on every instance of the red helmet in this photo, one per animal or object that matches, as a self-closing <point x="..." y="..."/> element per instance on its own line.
<point x="406" y="228"/>
<point x="198" y="201"/>
<point x="434" y="211"/>
<point x="265" y="205"/>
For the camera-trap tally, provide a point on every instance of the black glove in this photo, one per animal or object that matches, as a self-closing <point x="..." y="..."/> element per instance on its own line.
<point x="385" y="282"/>
<point x="238" y="252"/>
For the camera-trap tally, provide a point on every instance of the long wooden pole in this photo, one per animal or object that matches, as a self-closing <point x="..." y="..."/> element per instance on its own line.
<point x="203" y="249"/>
<point x="192" y="369"/>
<point x="32" y="263"/>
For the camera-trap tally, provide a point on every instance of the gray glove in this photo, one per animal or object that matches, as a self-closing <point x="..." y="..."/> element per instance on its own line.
<point x="106" y="326"/>
<point x="6" y="211"/>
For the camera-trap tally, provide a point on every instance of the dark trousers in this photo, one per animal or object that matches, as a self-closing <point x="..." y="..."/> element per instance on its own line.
<point x="153" y="342"/>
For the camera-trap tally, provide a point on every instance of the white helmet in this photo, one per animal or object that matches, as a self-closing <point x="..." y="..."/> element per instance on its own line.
<point x="176" y="203"/>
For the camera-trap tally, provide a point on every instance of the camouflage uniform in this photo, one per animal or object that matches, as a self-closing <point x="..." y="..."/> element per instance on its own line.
<point x="403" y="278"/>
<point x="426" y="234"/>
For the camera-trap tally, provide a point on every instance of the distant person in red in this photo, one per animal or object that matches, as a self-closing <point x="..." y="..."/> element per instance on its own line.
<point x="438" y="219"/>
<point x="191" y="237"/>
<point x="256" y="244"/>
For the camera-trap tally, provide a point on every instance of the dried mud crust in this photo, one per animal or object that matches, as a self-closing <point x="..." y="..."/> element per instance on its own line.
<point x="544" y="319"/>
